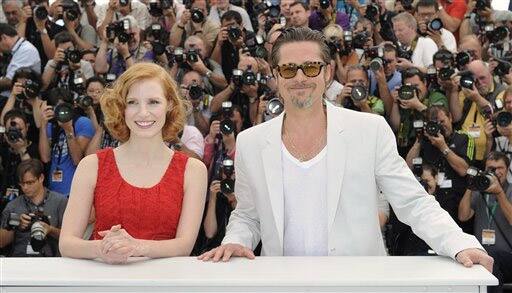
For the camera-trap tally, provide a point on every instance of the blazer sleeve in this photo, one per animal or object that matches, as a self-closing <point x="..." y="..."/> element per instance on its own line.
<point x="244" y="224"/>
<point x="411" y="202"/>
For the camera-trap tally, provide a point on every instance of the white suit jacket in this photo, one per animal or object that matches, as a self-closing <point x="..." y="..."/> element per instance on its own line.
<point x="361" y="160"/>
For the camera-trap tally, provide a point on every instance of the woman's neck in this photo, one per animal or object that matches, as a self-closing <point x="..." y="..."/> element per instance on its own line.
<point x="145" y="149"/>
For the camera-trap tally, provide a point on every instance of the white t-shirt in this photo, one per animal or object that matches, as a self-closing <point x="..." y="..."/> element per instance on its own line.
<point x="424" y="52"/>
<point x="305" y="205"/>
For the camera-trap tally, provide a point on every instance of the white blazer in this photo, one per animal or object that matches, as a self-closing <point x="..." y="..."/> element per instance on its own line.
<point x="361" y="160"/>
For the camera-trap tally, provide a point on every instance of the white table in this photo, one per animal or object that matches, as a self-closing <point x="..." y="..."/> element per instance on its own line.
<point x="264" y="274"/>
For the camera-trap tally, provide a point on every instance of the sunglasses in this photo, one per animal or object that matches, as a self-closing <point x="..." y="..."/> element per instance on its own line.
<point x="310" y="69"/>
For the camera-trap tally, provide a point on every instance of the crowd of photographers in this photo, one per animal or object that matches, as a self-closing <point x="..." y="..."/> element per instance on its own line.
<point x="439" y="71"/>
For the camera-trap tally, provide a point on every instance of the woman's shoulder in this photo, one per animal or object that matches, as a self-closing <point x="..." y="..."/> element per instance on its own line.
<point x="194" y="166"/>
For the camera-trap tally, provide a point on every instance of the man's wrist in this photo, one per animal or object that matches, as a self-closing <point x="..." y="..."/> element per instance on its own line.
<point x="70" y="134"/>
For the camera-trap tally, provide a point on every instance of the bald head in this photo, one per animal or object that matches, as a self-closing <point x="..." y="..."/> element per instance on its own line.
<point x="482" y="76"/>
<point x="472" y="45"/>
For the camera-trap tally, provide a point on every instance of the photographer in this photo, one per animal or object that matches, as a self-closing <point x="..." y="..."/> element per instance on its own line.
<point x="410" y="101"/>
<point x="95" y="86"/>
<point x="324" y="13"/>
<point x="121" y="47"/>
<point x="116" y="10"/>
<point x="12" y="12"/>
<point x="476" y="98"/>
<point x="221" y="202"/>
<point x="67" y="65"/>
<point x="192" y="88"/>
<point x="299" y="14"/>
<point x="25" y="97"/>
<point x="430" y="25"/>
<point x="355" y="93"/>
<point x="490" y="203"/>
<point x="194" y="21"/>
<point x="210" y="71"/>
<point x="223" y="6"/>
<point x="243" y="91"/>
<point x="166" y="13"/>
<point x="23" y="53"/>
<point x="14" y="148"/>
<point x="419" y="48"/>
<point x="63" y="138"/>
<point x="342" y="50"/>
<point x="31" y="222"/>
<point x="84" y="35"/>
<point x="448" y="151"/>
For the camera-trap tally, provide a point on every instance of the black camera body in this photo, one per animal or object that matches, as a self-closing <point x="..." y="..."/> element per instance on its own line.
<point x="417" y="166"/>
<point x="256" y="47"/>
<point x="71" y="11"/>
<point x="119" y="30"/>
<point x="324" y="4"/>
<point x="227" y="126"/>
<point x="197" y="15"/>
<point x="195" y="92"/>
<point x="466" y="79"/>
<point x="234" y="33"/>
<point x="64" y="111"/>
<point x="407" y="92"/>
<point x="433" y="128"/>
<point x="192" y="56"/>
<point x="227" y="185"/>
<point x="479" y="180"/>
<point x="12" y="133"/>
<point x="31" y="88"/>
<point x="435" y="24"/>
<point x="446" y="73"/>
<point x="72" y="55"/>
<point x="401" y="52"/>
<point x="40" y="12"/>
<point x="504" y="118"/>
<point x="372" y="11"/>
<point x="38" y="233"/>
<point x="503" y="68"/>
<point x="482" y="5"/>
<point x="462" y="59"/>
<point x="360" y="39"/>
<point x="156" y="8"/>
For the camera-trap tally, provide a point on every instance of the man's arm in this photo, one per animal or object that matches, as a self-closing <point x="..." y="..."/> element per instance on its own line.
<point x="449" y="22"/>
<point x="505" y="206"/>
<point x="6" y="237"/>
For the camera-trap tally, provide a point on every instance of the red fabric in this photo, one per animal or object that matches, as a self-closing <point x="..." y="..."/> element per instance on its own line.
<point x="145" y="213"/>
<point x="456" y="9"/>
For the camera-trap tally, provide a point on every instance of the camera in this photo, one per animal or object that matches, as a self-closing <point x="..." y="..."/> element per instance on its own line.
<point x="418" y="126"/>
<point x="482" y="5"/>
<point x="246" y="77"/>
<point x="192" y="56"/>
<point x="256" y="47"/>
<point x="271" y="9"/>
<point x="435" y="24"/>
<point x="446" y="73"/>
<point x="156" y="7"/>
<point x="71" y="11"/>
<point x="124" y="2"/>
<point x="37" y="231"/>
<point x="374" y="52"/>
<point x="324" y="4"/>
<point x="40" y="12"/>
<point x="274" y="106"/>
<point x="503" y="68"/>
<point x="158" y="47"/>
<point x="227" y="185"/>
<point x="433" y="128"/>
<point x="227" y="126"/>
<point x="83" y="101"/>
<point x="504" y="119"/>
<point x="478" y="180"/>
<point x="13" y="134"/>
<point x="401" y="52"/>
<point x="360" y="39"/>
<point x="462" y="59"/>
<point x="417" y="166"/>
<point x="234" y="33"/>
<point x="407" y="92"/>
<point x="64" y="111"/>
<point x="466" y="79"/>
<point x="119" y="30"/>
<point x="496" y="34"/>
<point x="197" y="15"/>
<point x="377" y="63"/>
<point x="31" y="90"/>
<point x="431" y="78"/>
<point x="195" y="92"/>
<point x="334" y="47"/>
<point x="359" y="92"/>
<point x="372" y="11"/>
<point x="72" y="55"/>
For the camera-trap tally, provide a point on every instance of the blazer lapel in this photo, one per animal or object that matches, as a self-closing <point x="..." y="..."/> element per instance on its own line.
<point x="336" y="157"/>
<point x="271" y="156"/>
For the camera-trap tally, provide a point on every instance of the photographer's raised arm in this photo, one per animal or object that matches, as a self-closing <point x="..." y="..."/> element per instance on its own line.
<point x="223" y="96"/>
<point x="465" y="211"/>
<point x="101" y="65"/>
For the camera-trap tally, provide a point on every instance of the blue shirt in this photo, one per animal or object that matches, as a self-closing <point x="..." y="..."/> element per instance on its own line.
<point x="395" y="81"/>
<point x="61" y="158"/>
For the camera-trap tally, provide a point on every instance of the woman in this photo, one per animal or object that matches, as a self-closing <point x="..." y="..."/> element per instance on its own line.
<point x="148" y="199"/>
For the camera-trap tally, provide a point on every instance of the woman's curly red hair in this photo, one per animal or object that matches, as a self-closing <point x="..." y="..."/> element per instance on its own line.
<point x="113" y="101"/>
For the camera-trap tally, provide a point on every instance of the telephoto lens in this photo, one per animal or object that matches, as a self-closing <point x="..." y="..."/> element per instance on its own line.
<point x="433" y="128"/>
<point x="435" y="24"/>
<point x="358" y="92"/>
<point x="504" y="119"/>
<point x="467" y="80"/>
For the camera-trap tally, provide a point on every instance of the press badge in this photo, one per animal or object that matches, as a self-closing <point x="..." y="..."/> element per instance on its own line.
<point x="11" y="193"/>
<point x="57" y="175"/>
<point x="474" y="131"/>
<point x="488" y="237"/>
<point x="30" y="250"/>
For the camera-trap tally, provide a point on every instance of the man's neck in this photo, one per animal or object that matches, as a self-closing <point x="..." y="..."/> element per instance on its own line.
<point x="305" y="122"/>
<point x="39" y="197"/>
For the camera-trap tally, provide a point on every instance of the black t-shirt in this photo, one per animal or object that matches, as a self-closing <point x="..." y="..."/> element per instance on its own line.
<point x="33" y="36"/>
<point x="461" y="145"/>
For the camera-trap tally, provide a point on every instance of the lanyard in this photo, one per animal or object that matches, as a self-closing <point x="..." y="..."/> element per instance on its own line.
<point x="490" y="211"/>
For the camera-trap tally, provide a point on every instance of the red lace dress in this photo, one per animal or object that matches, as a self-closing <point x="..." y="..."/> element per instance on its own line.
<point x="145" y="213"/>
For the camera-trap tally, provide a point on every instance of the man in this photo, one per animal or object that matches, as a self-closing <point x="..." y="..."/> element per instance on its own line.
<point x="84" y="35"/>
<point x="382" y="84"/>
<point x="24" y="54"/>
<point x="200" y="103"/>
<point x="426" y="11"/>
<point x="36" y="200"/>
<point x="467" y="105"/>
<point x="405" y="27"/>
<point x="289" y="185"/>
<point x="223" y="6"/>
<point x="114" y="10"/>
<point x="492" y="210"/>
<point x="12" y="11"/>
<point x="357" y="75"/>
<point x="299" y="14"/>
<point x="320" y="16"/>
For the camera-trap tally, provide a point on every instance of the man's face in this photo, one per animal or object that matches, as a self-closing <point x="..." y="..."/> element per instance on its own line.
<point x="65" y="46"/>
<point x="446" y="123"/>
<point x="357" y="77"/>
<point x="418" y="83"/>
<point x="508" y="103"/>
<point x="222" y="4"/>
<point x="483" y="78"/>
<point x="19" y="124"/>
<point x="200" y="4"/>
<point x="89" y="57"/>
<point x="95" y="90"/>
<point x="425" y="13"/>
<point x="403" y="33"/>
<point x="189" y="79"/>
<point x="299" y="17"/>
<point x="499" y="167"/>
<point x="473" y="48"/>
<point x="4" y="44"/>
<point x="300" y="91"/>
<point x="390" y="67"/>
<point x="31" y="185"/>
<point x="196" y="44"/>
<point x="285" y="7"/>
<point x="12" y="12"/>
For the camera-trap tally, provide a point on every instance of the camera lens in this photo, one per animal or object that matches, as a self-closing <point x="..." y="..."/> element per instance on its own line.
<point x="435" y="24"/>
<point x="504" y="119"/>
<point x="358" y="93"/>
<point x="432" y="128"/>
<point x="406" y="92"/>
<point x="376" y="64"/>
<point x="197" y="15"/>
<point x="275" y="107"/>
<point x="227" y="186"/>
<point x="324" y="4"/>
<point x="446" y="73"/>
<point x="462" y="59"/>
<point x="195" y="92"/>
<point x="227" y="126"/>
<point x="467" y="81"/>
<point x="64" y="112"/>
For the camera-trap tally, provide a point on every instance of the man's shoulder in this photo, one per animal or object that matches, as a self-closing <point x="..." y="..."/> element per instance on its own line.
<point x="256" y="134"/>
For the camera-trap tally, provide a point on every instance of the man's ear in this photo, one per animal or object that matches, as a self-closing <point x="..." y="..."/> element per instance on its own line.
<point x="329" y="72"/>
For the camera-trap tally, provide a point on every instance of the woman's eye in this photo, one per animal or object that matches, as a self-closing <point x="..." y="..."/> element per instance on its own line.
<point x="131" y="102"/>
<point x="154" y="102"/>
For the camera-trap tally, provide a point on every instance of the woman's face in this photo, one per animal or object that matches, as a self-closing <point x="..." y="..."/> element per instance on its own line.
<point x="95" y="90"/>
<point x="146" y="108"/>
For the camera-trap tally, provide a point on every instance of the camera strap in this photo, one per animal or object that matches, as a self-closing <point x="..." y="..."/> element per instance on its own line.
<point x="491" y="214"/>
<point x="14" y="50"/>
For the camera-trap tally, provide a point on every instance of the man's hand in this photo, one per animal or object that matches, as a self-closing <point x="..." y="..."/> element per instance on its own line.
<point x="436" y="37"/>
<point x="413" y="103"/>
<point x="40" y="24"/>
<point x="495" y="187"/>
<point x="185" y="17"/>
<point x="198" y="66"/>
<point x="226" y="251"/>
<point x="214" y="188"/>
<point x="46" y="115"/>
<point x="437" y="141"/>
<point x="122" y="49"/>
<point x="59" y="56"/>
<point x="223" y="34"/>
<point x="471" y="256"/>
<point x="26" y="13"/>
<point x="489" y="128"/>
<point x="67" y="126"/>
<point x="403" y="63"/>
<point x="24" y="222"/>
